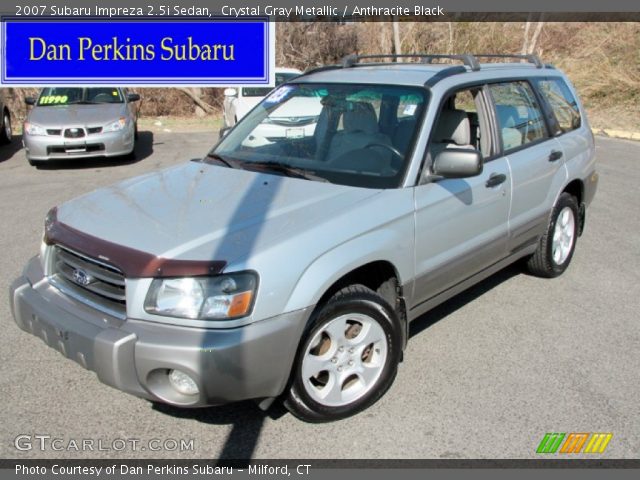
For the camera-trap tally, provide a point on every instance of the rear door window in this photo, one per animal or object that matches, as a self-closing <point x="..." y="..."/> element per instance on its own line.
<point x="519" y="115"/>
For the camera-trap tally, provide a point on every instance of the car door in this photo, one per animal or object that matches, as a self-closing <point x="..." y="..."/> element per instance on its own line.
<point x="566" y="122"/>
<point x="461" y="224"/>
<point x="535" y="160"/>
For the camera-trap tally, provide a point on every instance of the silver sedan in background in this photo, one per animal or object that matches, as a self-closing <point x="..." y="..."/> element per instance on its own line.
<point x="80" y="122"/>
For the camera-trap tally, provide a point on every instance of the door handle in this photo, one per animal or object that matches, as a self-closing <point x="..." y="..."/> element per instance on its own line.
<point x="495" y="179"/>
<point x="555" y="155"/>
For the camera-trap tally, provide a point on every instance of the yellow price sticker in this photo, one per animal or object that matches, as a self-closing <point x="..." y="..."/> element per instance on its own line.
<point x="53" y="99"/>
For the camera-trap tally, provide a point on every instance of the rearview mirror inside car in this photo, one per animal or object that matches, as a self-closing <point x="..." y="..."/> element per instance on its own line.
<point x="230" y="92"/>
<point x="29" y="100"/>
<point x="457" y="163"/>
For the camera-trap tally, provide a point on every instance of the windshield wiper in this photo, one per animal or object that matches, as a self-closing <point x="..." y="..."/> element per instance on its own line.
<point x="225" y="161"/>
<point x="289" y="171"/>
<point x="82" y="102"/>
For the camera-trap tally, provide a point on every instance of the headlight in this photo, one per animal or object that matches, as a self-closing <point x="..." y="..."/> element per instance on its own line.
<point x="205" y="298"/>
<point x="115" y="126"/>
<point x="33" y="129"/>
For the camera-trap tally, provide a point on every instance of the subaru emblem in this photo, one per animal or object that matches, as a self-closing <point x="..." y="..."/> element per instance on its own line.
<point x="81" y="277"/>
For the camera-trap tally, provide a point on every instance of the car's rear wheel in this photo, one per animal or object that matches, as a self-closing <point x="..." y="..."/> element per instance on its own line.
<point x="557" y="245"/>
<point x="348" y="359"/>
<point x="6" y="133"/>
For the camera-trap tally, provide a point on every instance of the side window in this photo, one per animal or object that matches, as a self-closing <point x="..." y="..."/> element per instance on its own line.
<point x="465" y="100"/>
<point x="462" y="123"/>
<point x="520" y="118"/>
<point x="562" y="102"/>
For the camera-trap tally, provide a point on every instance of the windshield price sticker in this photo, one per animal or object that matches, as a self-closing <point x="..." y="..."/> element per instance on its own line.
<point x="53" y="99"/>
<point x="279" y="94"/>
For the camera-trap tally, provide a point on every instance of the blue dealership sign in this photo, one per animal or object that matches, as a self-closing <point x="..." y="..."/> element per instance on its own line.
<point x="212" y="52"/>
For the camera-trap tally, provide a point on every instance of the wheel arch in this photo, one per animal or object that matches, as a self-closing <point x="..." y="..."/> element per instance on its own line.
<point x="576" y="188"/>
<point x="381" y="276"/>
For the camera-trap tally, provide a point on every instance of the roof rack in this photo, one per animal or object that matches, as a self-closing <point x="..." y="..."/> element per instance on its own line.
<point x="467" y="59"/>
<point x="470" y="60"/>
<point x="531" y="58"/>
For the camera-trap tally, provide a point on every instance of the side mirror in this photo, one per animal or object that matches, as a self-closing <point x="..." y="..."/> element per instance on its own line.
<point x="133" y="97"/>
<point x="230" y="92"/>
<point x="223" y="132"/>
<point x="29" y="100"/>
<point x="457" y="163"/>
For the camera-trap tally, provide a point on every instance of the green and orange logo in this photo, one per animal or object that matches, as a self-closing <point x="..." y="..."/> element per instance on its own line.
<point x="573" y="442"/>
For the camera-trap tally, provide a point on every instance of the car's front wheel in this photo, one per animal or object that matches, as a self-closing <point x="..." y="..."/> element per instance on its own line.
<point x="348" y="359"/>
<point x="557" y="245"/>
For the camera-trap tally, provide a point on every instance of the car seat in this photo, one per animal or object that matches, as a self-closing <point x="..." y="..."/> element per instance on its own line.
<point x="360" y="128"/>
<point x="452" y="131"/>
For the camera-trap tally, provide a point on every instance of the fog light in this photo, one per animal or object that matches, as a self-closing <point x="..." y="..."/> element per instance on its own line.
<point x="183" y="383"/>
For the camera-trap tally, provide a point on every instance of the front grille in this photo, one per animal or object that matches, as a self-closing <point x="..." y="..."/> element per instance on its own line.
<point x="94" y="280"/>
<point x="75" y="149"/>
<point x="91" y="130"/>
<point x="54" y="131"/>
<point x="74" y="133"/>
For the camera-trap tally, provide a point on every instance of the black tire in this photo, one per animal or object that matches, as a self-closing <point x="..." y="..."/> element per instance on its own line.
<point x="34" y="163"/>
<point x="5" y="136"/>
<point x="135" y="132"/>
<point x="542" y="263"/>
<point x="355" y="299"/>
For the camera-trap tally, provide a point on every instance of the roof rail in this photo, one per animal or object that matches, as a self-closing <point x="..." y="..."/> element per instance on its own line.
<point x="531" y="58"/>
<point x="469" y="60"/>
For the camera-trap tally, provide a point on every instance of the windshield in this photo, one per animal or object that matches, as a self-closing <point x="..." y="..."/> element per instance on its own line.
<point x="263" y="91"/>
<point x="52" y="96"/>
<point x="358" y="135"/>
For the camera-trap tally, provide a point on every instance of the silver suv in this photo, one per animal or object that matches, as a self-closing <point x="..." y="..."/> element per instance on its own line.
<point x="291" y="266"/>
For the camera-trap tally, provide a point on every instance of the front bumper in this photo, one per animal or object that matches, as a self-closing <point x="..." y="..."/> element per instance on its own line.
<point x="135" y="356"/>
<point x="54" y="147"/>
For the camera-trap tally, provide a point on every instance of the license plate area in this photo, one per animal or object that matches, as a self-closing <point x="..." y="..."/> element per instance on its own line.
<point x="75" y="147"/>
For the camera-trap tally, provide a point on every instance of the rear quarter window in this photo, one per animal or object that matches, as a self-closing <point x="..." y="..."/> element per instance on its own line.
<point x="562" y="102"/>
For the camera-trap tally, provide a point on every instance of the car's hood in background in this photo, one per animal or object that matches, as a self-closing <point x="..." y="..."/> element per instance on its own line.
<point x="76" y="115"/>
<point x="198" y="211"/>
<point x="245" y="104"/>
<point x="299" y="107"/>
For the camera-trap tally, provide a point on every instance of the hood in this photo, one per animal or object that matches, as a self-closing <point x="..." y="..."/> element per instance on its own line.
<point x="198" y="211"/>
<point x="76" y="115"/>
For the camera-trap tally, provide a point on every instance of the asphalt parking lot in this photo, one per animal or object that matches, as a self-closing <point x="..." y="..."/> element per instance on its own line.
<point x="485" y="375"/>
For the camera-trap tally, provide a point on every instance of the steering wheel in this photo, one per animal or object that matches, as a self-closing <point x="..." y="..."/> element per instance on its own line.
<point x="391" y="148"/>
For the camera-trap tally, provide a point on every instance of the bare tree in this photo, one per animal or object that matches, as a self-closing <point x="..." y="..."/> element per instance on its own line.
<point x="195" y="94"/>
<point x="529" y="44"/>
<point x="397" y="45"/>
<point x="534" y="38"/>
<point x="525" y="40"/>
